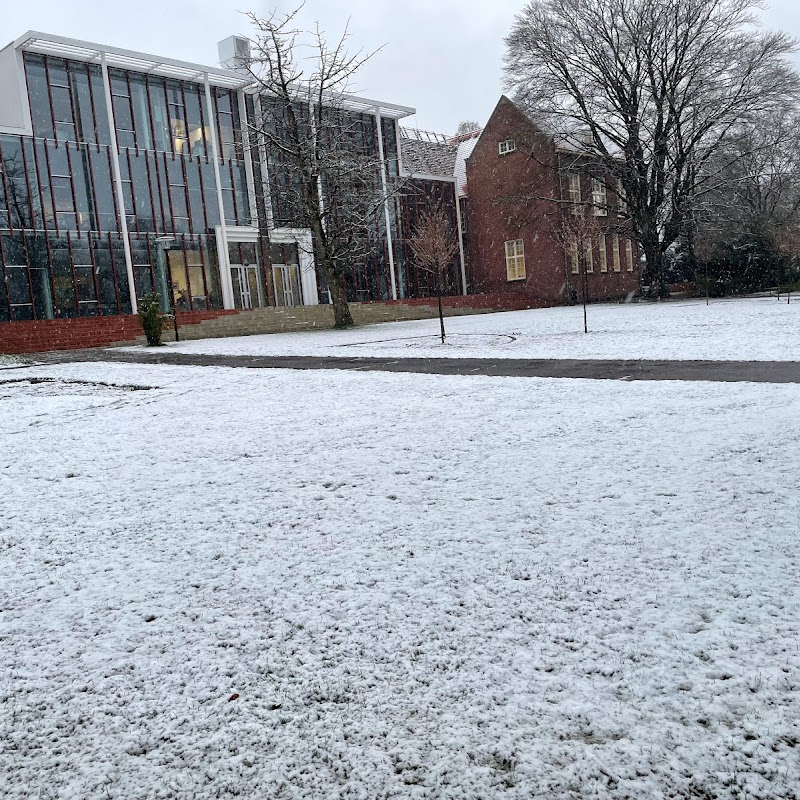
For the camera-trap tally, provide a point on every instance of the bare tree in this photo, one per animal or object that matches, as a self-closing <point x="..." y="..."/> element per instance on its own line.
<point x="435" y="244"/>
<point x="758" y="184"/>
<point x="331" y="163"/>
<point x="467" y="126"/>
<point x="654" y="89"/>
<point x="577" y="234"/>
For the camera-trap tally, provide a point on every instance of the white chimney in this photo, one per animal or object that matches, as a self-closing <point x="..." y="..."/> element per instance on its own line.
<point x="234" y="52"/>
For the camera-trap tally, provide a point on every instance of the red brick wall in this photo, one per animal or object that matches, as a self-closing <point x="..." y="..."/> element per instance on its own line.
<point x="75" y="334"/>
<point x="517" y="196"/>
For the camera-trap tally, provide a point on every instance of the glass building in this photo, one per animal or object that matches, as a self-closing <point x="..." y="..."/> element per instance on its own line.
<point x="123" y="173"/>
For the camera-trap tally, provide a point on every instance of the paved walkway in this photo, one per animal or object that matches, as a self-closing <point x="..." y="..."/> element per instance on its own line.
<point x="725" y="371"/>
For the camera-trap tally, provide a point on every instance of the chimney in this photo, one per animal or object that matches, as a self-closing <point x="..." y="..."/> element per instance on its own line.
<point x="234" y="53"/>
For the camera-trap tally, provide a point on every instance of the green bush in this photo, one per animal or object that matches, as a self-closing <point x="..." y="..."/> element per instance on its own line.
<point x="151" y="319"/>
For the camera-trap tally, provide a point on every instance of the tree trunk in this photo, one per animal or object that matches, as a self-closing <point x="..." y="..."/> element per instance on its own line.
<point x="439" y="296"/>
<point x="654" y="267"/>
<point x="336" y="283"/>
<point x="342" y="318"/>
<point x="585" y="298"/>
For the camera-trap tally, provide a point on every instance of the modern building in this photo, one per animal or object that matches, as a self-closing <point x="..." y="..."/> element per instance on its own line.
<point x="544" y="221"/>
<point x="123" y="173"/>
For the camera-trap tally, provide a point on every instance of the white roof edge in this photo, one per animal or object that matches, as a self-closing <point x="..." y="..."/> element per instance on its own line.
<point x="82" y="50"/>
<point x="427" y="176"/>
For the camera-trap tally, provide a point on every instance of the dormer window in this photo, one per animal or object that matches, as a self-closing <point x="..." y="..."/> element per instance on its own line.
<point x="506" y="146"/>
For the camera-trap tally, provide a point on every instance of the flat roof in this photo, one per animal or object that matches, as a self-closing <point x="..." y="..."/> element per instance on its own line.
<point x="63" y="47"/>
<point x="79" y="50"/>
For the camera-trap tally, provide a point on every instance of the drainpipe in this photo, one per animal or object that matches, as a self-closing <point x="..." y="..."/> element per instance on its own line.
<point x="460" y="240"/>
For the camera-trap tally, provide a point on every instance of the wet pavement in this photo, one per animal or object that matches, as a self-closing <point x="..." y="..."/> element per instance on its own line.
<point x="629" y="370"/>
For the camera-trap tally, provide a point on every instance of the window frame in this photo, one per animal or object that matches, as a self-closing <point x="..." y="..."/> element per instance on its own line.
<point x="574" y="192"/>
<point x="574" y="256"/>
<point x="505" y="147"/>
<point x="515" y="257"/>
<point x="622" y="203"/>
<point x="599" y="198"/>
<point x="602" y="245"/>
<point x="629" y="255"/>
<point x="615" y="254"/>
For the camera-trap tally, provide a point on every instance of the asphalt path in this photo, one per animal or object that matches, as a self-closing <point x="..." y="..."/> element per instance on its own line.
<point x="595" y="369"/>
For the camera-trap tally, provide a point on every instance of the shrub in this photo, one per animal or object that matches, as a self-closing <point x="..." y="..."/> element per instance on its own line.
<point x="151" y="319"/>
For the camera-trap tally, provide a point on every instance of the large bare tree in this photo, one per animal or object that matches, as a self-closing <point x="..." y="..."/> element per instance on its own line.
<point x="330" y="161"/>
<point x="654" y="89"/>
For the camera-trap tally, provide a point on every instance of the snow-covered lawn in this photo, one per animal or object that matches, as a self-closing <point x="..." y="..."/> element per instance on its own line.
<point x="343" y="585"/>
<point x="728" y="330"/>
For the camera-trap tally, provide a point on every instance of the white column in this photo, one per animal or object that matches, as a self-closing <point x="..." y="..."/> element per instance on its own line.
<point x="222" y="231"/>
<point x="123" y="221"/>
<point x="460" y="241"/>
<point x="386" y="215"/>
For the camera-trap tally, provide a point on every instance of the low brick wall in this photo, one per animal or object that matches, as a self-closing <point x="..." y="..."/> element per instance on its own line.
<point x="85" y="332"/>
<point x="82" y="332"/>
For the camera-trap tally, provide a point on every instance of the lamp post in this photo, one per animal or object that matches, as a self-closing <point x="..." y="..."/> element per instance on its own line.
<point x="165" y="242"/>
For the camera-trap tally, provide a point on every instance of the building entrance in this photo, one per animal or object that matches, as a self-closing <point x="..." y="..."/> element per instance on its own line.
<point x="246" y="286"/>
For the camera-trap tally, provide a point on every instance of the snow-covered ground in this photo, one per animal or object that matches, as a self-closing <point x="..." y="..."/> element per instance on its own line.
<point x="269" y="584"/>
<point x="761" y="329"/>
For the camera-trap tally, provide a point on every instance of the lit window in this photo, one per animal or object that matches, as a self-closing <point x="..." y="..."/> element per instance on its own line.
<point x="615" y="251"/>
<point x="506" y="146"/>
<point x="515" y="260"/>
<point x="629" y="255"/>
<point x="574" y="259"/>
<point x="599" y="198"/>
<point x="589" y="255"/>
<point x="574" y="192"/>
<point x="603" y="254"/>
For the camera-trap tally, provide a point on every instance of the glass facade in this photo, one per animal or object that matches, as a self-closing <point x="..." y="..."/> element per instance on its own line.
<point x="61" y="246"/>
<point x="64" y="222"/>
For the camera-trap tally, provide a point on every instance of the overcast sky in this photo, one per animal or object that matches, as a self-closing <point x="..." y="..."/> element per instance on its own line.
<point x="442" y="57"/>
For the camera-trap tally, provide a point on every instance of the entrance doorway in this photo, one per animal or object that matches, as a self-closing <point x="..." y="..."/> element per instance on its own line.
<point x="287" y="284"/>
<point x="286" y="274"/>
<point x="246" y="286"/>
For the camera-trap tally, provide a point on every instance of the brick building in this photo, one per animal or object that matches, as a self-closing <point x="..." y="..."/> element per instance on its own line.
<point x="542" y="220"/>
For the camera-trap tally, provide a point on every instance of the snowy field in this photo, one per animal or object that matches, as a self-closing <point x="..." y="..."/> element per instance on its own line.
<point x="761" y="329"/>
<point x="311" y="585"/>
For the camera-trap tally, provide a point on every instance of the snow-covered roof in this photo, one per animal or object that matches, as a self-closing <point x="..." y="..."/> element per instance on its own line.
<point x="465" y="148"/>
<point x="425" y="153"/>
<point x="435" y="154"/>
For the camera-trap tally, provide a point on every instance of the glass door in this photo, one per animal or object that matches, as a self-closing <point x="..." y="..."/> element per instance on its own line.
<point x="246" y="286"/>
<point x="287" y="284"/>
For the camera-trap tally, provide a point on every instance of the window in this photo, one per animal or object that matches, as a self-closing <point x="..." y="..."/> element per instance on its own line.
<point x="177" y="117"/>
<point x="589" y="255"/>
<point x="515" y="260"/>
<point x="506" y="146"/>
<point x="574" y="258"/>
<point x="121" y="103"/>
<point x="615" y="251"/>
<point x="574" y="192"/>
<point x="622" y="206"/>
<point x="603" y="254"/>
<point x="629" y="255"/>
<point x="599" y="198"/>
